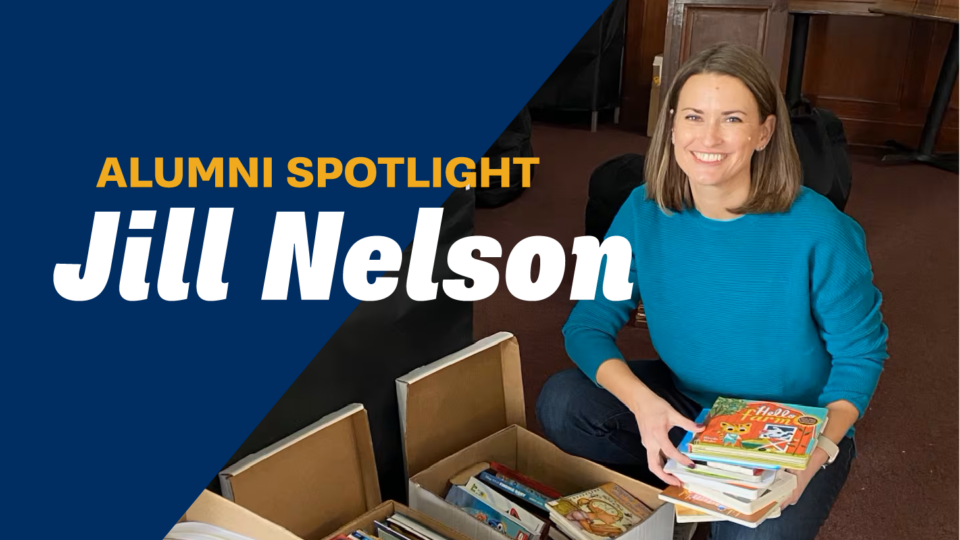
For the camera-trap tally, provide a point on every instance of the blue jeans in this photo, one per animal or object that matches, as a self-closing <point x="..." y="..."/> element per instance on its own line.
<point x="588" y="421"/>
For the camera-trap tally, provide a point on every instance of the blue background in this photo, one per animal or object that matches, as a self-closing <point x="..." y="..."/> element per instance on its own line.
<point x="123" y="410"/>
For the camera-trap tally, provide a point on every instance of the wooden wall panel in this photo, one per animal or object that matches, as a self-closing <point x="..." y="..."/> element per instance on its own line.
<point x="646" y="23"/>
<point x="856" y="58"/>
<point x="693" y="25"/>
<point x="710" y="25"/>
<point x="876" y="73"/>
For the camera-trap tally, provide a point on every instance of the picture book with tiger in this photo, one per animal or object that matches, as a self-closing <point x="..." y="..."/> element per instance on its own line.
<point x="763" y="432"/>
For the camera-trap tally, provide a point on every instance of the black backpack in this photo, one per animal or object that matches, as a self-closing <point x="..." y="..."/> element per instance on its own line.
<point x="822" y="146"/>
<point x="610" y="185"/>
<point x="513" y="142"/>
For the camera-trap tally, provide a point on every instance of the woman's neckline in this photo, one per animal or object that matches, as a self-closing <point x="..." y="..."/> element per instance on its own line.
<point x="736" y="223"/>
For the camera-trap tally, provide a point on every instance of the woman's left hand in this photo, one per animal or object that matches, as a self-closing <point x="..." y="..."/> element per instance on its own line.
<point x="817" y="460"/>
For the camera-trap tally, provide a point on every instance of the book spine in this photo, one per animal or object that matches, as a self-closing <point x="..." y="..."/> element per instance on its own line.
<point x="526" y="480"/>
<point x="517" y="490"/>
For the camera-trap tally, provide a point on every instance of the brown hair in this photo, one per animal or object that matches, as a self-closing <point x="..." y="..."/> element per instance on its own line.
<point x="775" y="176"/>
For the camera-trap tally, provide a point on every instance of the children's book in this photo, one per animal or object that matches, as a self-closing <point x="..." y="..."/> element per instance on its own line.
<point x="682" y="497"/>
<point x="684" y="447"/>
<point x="516" y="488"/>
<point x="483" y="512"/>
<point x="490" y="496"/>
<point x="384" y="532"/>
<point x="598" y="514"/>
<point x="760" y="432"/>
<point x="753" y="476"/>
<point x="733" y="469"/>
<point x="746" y="490"/>
<point x="363" y="536"/>
<point x="689" y="515"/>
<point x="413" y="527"/>
<point x="783" y="486"/>
<point x="506" y="472"/>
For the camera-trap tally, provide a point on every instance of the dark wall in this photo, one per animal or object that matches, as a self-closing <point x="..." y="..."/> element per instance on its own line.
<point x="377" y="343"/>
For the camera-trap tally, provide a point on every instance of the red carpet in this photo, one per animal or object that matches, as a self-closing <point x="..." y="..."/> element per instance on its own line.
<point x="904" y="482"/>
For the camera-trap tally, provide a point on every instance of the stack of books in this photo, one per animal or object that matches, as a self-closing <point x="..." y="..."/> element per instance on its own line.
<point x="739" y="460"/>
<point x="522" y="508"/>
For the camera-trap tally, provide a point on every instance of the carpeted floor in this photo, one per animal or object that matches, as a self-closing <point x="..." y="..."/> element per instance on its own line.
<point x="903" y="484"/>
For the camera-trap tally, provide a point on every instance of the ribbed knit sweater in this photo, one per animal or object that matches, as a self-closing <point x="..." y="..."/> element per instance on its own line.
<point x="776" y="307"/>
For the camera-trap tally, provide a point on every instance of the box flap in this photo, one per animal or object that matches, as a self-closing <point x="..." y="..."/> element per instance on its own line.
<point x="312" y="481"/>
<point x="458" y="400"/>
<point x="215" y="510"/>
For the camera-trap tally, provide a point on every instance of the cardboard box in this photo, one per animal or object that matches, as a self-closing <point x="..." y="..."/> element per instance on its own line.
<point x="215" y="510"/>
<point x="468" y="408"/>
<point x="318" y="482"/>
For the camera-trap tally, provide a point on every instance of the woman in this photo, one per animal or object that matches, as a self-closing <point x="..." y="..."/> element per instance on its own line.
<point x="753" y="286"/>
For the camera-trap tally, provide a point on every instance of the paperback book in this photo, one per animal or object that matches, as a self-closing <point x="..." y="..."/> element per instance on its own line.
<point x="601" y="513"/>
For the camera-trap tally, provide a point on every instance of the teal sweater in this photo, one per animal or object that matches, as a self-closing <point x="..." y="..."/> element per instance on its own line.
<point x="777" y="307"/>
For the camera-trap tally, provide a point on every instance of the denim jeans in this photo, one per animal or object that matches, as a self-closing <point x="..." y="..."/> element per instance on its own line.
<point x="588" y="421"/>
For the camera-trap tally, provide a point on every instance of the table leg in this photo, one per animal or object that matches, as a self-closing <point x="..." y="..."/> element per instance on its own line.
<point x="798" y="55"/>
<point x="931" y="126"/>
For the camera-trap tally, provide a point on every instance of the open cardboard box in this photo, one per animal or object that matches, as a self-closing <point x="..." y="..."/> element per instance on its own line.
<point x="215" y="510"/>
<point x="468" y="408"/>
<point x="318" y="482"/>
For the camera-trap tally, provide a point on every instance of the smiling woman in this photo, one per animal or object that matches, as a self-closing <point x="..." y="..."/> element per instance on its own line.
<point x="718" y="142"/>
<point x="753" y="287"/>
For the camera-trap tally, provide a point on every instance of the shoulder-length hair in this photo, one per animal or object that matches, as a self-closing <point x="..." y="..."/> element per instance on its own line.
<point x="775" y="176"/>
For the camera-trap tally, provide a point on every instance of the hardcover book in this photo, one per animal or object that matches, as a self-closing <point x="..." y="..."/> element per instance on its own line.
<point x="760" y="432"/>
<point x="488" y="495"/>
<point x="689" y="515"/>
<point x="487" y="514"/>
<point x="516" y="488"/>
<point x="750" y="491"/>
<point x="783" y="486"/>
<point x="682" y="497"/>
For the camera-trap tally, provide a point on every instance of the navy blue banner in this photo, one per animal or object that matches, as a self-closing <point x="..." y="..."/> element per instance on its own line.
<point x="122" y="411"/>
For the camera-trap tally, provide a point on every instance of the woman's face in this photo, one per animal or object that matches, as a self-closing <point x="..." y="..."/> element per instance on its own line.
<point x="716" y="129"/>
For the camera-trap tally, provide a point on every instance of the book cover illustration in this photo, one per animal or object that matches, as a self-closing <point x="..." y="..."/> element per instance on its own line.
<point x="488" y="495"/>
<point x="486" y="514"/>
<point x="760" y="426"/>
<point x="604" y="512"/>
<point x="714" y="459"/>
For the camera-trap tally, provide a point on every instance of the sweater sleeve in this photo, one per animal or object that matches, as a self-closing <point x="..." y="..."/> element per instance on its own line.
<point x="846" y="307"/>
<point x="590" y="332"/>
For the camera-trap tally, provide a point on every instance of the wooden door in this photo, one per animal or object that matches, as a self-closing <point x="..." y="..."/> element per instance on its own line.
<point x="694" y="25"/>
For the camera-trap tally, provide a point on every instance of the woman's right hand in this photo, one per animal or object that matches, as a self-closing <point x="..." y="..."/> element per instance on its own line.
<point x="655" y="418"/>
